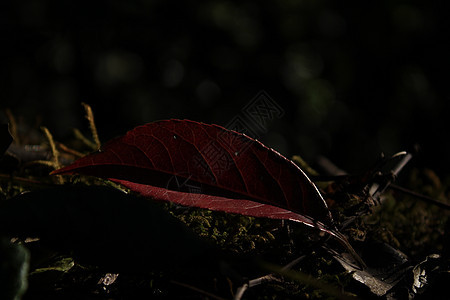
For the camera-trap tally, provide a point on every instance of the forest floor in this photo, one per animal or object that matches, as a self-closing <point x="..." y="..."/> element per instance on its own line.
<point x="403" y="240"/>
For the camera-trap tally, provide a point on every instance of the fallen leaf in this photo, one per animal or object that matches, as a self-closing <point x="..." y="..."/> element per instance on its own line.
<point x="237" y="206"/>
<point x="227" y="171"/>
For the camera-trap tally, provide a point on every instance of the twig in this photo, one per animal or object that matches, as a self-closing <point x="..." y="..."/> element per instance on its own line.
<point x="240" y="291"/>
<point x="376" y="189"/>
<point x="420" y="196"/>
<point x="254" y="282"/>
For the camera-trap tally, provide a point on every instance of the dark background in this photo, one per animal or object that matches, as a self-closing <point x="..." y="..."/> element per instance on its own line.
<point x="354" y="79"/>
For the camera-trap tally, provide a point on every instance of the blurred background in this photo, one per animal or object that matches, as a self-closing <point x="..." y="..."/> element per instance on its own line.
<point x="354" y="79"/>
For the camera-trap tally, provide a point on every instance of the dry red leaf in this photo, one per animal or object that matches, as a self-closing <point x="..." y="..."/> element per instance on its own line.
<point x="208" y="166"/>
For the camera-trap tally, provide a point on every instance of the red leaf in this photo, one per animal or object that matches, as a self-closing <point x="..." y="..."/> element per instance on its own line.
<point x="228" y="171"/>
<point x="217" y="203"/>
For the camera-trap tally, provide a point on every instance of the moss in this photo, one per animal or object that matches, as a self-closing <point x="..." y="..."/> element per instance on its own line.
<point x="409" y="224"/>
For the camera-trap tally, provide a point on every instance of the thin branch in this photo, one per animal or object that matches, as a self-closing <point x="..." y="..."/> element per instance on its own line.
<point x="376" y="189"/>
<point x="420" y="196"/>
<point x="407" y="157"/>
<point x="240" y="291"/>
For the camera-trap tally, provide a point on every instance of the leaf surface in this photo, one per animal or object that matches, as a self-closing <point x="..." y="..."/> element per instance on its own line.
<point x="217" y="203"/>
<point x="210" y="167"/>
